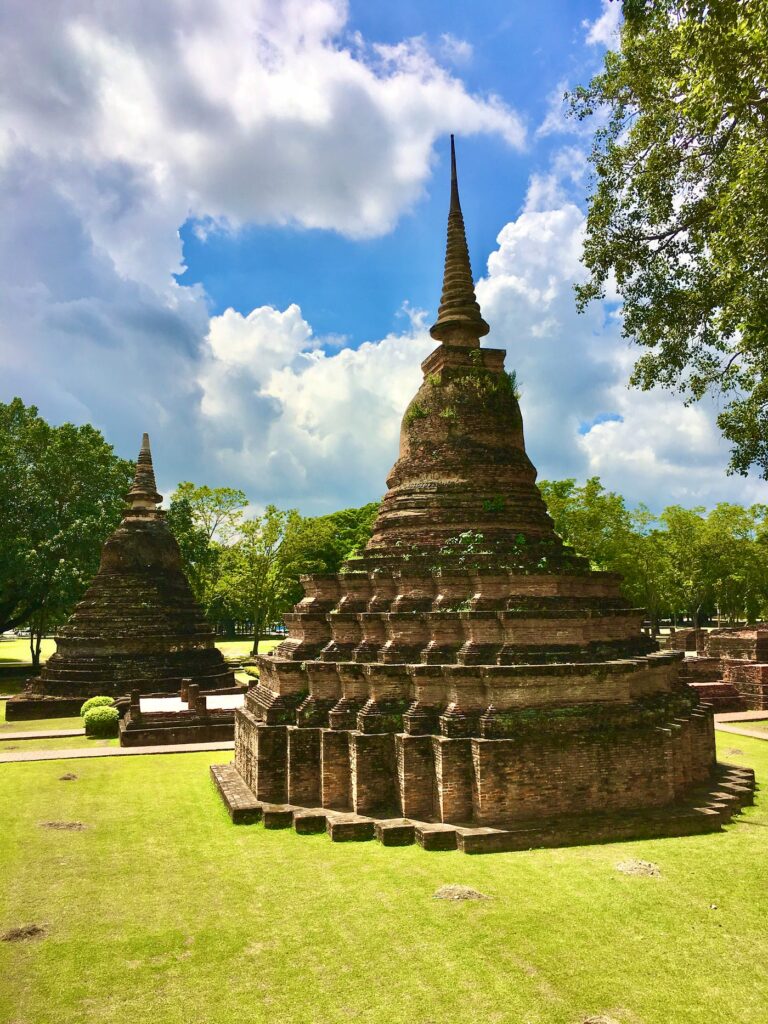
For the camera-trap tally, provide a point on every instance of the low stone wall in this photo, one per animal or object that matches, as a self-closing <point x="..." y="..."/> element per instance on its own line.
<point x="684" y="640"/>
<point x="177" y="727"/>
<point x="25" y="708"/>
<point x="750" y="679"/>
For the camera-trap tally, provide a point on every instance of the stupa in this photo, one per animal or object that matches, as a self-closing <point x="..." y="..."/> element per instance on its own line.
<point x="468" y="680"/>
<point x="138" y="627"/>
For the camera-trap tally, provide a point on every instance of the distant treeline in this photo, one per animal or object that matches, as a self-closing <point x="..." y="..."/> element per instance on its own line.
<point x="62" y="490"/>
<point x="685" y="563"/>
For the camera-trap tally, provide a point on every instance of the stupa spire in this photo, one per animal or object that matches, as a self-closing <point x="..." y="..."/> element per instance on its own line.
<point x="459" y="320"/>
<point x="143" y="494"/>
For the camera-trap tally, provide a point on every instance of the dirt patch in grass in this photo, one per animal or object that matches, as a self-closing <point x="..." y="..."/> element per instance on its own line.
<point x="24" y="934"/>
<point x="69" y="777"/>
<point x="643" y="868"/>
<point x="731" y="751"/>
<point x="458" y="892"/>
<point x="599" y="1019"/>
<point x="64" y="826"/>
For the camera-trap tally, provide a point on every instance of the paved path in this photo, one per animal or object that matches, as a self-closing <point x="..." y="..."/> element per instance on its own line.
<point x="54" y="734"/>
<point x="752" y="733"/>
<point x="75" y="753"/>
<point x="741" y="716"/>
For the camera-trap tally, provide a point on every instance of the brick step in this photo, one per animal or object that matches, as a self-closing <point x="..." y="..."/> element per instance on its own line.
<point x="721" y="695"/>
<point x="706" y="809"/>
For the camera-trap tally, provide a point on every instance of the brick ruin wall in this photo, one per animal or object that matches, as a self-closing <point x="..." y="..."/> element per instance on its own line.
<point x="470" y="779"/>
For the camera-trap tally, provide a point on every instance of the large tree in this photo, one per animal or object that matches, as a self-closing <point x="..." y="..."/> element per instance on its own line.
<point x="678" y="217"/>
<point x="61" y="494"/>
<point x="251" y="585"/>
<point x="204" y="521"/>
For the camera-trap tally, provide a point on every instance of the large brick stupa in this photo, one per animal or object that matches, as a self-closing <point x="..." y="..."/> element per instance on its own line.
<point x="138" y="627"/>
<point x="469" y="679"/>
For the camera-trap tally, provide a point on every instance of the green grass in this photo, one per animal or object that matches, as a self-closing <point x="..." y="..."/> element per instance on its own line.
<point x="162" y="911"/>
<point x="12" y="651"/>
<point x="761" y="725"/>
<point x="62" y="743"/>
<point x="37" y="725"/>
<point x="17" y="651"/>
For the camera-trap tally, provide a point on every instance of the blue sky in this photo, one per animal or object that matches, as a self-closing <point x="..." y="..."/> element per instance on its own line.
<point x="223" y="223"/>
<point x="356" y="288"/>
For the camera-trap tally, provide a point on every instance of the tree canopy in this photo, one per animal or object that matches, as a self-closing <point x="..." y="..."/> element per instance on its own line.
<point x="61" y="495"/>
<point x="681" y="563"/>
<point x="678" y="217"/>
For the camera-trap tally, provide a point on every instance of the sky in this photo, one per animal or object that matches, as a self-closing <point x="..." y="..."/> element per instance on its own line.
<point x="223" y="222"/>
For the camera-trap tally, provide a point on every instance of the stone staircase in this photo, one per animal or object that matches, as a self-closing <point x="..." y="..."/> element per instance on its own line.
<point x="706" y="808"/>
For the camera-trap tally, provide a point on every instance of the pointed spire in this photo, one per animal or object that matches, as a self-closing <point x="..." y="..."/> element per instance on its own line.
<point x="143" y="494"/>
<point x="458" y="319"/>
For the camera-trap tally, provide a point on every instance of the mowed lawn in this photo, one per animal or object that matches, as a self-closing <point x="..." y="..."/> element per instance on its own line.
<point x="17" y="651"/>
<point x="162" y="911"/>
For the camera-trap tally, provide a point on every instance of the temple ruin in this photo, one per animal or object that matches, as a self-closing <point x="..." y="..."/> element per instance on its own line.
<point x="138" y="627"/>
<point x="468" y="680"/>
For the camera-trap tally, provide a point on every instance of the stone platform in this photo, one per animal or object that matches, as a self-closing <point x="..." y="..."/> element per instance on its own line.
<point x="200" y="718"/>
<point x="706" y="809"/>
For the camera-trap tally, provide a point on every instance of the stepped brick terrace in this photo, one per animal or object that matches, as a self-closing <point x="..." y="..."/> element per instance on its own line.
<point x="469" y="670"/>
<point x="138" y="627"/>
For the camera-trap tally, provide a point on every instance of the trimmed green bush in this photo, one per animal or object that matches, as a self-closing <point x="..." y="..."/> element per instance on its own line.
<point x="96" y="702"/>
<point x="101" y="721"/>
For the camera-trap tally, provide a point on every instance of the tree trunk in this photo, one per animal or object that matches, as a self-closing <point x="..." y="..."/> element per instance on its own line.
<point x="35" y="644"/>
<point x="256" y="631"/>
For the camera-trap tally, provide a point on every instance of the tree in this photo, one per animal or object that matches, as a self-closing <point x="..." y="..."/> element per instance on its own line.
<point x="251" y="584"/>
<point x="204" y="520"/>
<point x="594" y="521"/>
<point x="322" y="543"/>
<point x="61" y="495"/>
<point x="679" y="214"/>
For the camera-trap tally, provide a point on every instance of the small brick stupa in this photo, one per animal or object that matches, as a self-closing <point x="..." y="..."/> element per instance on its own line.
<point x="138" y="627"/>
<point x="469" y="680"/>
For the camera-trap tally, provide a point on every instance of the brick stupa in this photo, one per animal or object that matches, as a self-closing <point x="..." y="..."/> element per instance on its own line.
<point x="469" y="680"/>
<point x="138" y="627"/>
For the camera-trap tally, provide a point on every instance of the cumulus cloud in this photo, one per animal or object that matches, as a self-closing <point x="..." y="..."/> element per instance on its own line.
<point x="604" y="30"/>
<point x="122" y="121"/>
<point x="255" y="111"/>
<point x="302" y="425"/>
<point x="319" y="429"/>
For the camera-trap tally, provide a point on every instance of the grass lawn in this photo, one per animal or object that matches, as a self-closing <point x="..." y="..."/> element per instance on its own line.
<point x="37" y="725"/>
<point x="761" y="725"/>
<point x="12" y="651"/>
<point x="161" y="911"/>
<point x="62" y="743"/>
<point x="17" y="651"/>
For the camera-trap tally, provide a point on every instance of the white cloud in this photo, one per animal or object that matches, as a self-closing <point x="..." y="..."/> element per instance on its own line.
<point x="456" y="50"/>
<point x="120" y="121"/>
<point x="604" y="30"/>
<point x="298" y="424"/>
<point x="556" y="120"/>
<point x="258" y="111"/>
<point x="319" y="429"/>
<point x="249" y="111"/>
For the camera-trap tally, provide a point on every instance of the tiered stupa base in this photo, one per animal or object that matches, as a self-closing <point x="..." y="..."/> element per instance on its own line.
<point x="546" y="702"/>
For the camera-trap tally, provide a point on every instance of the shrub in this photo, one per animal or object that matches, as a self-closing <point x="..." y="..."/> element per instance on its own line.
<point x="101" y="721"/>
<point x="96" y="702"/>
